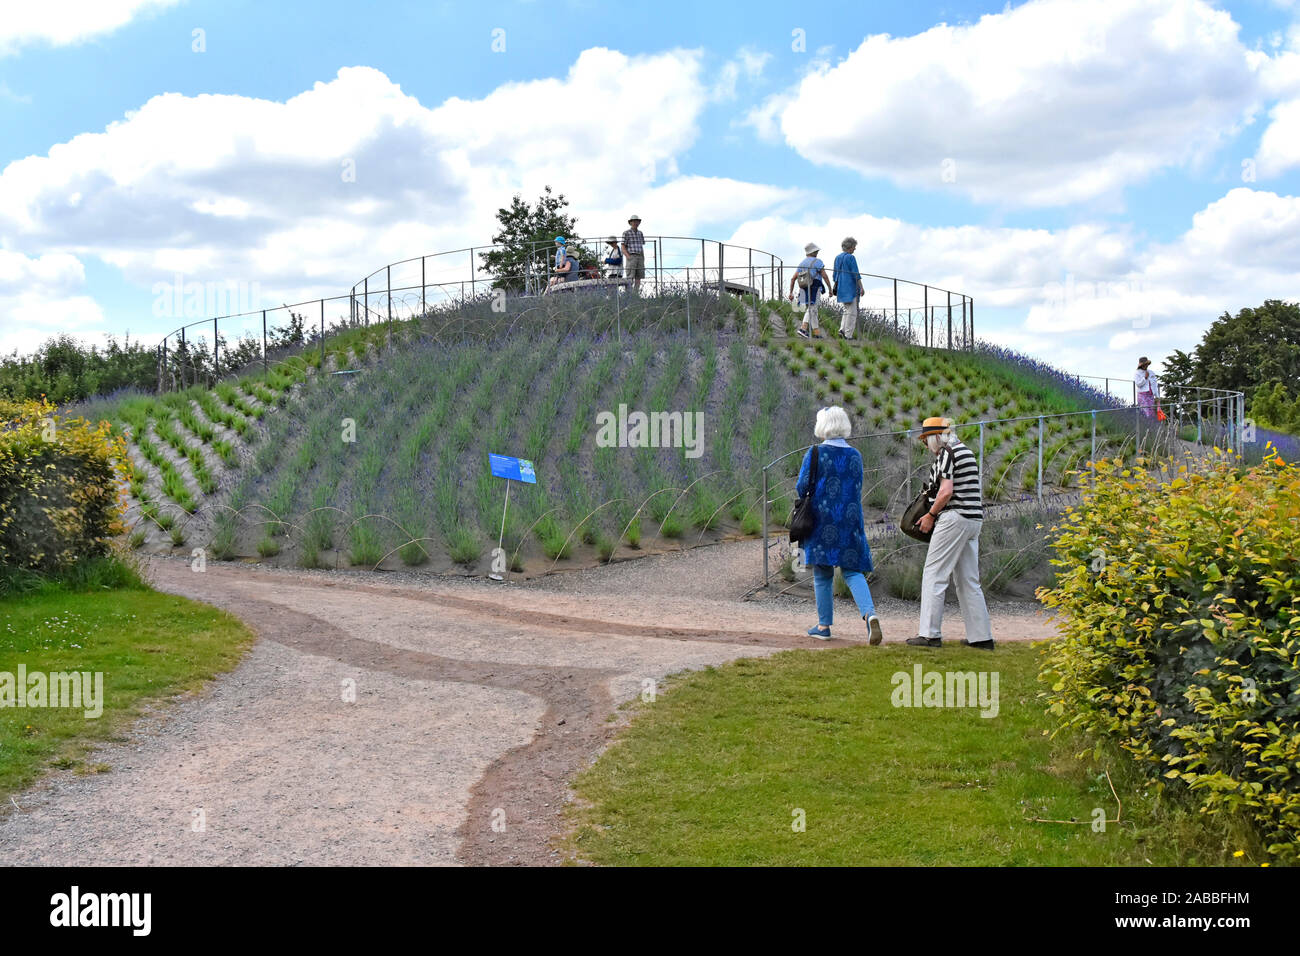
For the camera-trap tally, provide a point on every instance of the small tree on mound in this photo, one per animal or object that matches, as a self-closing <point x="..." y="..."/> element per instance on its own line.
<point x="524" y="229"/>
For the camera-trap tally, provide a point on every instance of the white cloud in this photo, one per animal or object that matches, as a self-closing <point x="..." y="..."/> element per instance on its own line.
<point x="233" y="189"/>
<point x="1052" y="102"/>
<point x="65" y="22"/>
<point x="1279" y="146"/>
<point x="41" y="297"/>
<point x="1082" y="297"/>
<point x="7" y="94"/>
<point x="746" y="65"/>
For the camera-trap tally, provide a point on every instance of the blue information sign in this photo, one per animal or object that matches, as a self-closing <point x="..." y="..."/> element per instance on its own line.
<point x="519" y="469"/>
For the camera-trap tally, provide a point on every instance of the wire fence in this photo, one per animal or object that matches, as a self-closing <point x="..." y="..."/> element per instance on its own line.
<point x="435" y="285"/>
<point x="1039" y="460"/>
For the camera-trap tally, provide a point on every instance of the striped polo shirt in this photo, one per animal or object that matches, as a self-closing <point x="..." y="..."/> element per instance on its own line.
<point x="958" y="462"/>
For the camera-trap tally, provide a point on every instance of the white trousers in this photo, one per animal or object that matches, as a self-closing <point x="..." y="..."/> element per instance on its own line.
<point x="954" y="556"/>
<point x="810" y="315"/>
<point x="849" y="321"/>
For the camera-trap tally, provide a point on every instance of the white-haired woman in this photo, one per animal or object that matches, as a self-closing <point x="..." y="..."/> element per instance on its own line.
<point x="837" y="538"/>
<point x="847" y="286"/>
<point x="956" y="517"/>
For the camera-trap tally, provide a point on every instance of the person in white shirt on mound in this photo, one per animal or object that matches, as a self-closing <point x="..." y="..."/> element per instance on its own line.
<point x="956" y="517"/>
<point x="1148" y="388"/>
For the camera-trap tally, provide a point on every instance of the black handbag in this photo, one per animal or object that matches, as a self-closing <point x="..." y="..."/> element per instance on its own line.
<point x="912" y="514"/>
<point x="803" y="518"/>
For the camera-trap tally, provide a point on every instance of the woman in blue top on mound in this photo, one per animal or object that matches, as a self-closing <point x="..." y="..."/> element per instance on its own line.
<point x="837" y="538"/>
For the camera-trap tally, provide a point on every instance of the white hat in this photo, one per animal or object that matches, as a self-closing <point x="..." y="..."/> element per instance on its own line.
<point x="812" y="247"/>
<point x="634" y="218"/>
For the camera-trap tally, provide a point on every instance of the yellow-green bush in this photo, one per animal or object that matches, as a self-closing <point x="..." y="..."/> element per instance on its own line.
<point x="62" y="493"/>
<point x="1181" y="633"/>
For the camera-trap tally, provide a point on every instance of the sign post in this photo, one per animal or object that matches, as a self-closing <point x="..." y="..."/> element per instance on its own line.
<point x="511" y="469"/>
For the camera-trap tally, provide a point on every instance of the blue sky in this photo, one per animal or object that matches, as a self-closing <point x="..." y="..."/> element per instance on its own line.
<point x="1093" y="147"/>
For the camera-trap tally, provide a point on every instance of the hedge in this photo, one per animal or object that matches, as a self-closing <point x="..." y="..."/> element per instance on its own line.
<point x="1181" y="633"/>
<point x="62" y="491"/>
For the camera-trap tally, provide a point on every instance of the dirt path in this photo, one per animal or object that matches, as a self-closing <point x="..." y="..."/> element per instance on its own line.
<point x="474" y="704"/>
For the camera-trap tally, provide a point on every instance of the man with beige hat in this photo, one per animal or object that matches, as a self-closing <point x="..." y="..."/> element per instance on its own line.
<point x="634" y="251"/>
<point x="955" y="519"/>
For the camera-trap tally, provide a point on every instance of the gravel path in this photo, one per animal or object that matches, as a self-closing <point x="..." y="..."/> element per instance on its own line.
<point x="474" y="705"/>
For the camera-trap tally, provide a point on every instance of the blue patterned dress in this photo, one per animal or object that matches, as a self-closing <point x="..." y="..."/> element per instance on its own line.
<point x="838" y="537"/>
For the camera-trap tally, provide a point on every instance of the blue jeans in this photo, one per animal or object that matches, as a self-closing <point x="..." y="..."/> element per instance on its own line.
<point x="823" y="587"/>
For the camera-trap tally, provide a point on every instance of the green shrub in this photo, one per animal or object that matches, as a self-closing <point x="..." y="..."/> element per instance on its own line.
<point x="62" y="483"/>
<point x="1181" y="634"/>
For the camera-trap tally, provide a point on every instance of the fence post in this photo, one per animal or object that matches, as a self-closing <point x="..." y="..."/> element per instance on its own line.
<point x="322" y="335"/>
<point x="925" y="314"/>
<point x="1040" y="459"/>
<point x="1137" y="430"/>
<point x="216" y="351"/>
<point x="424" y="305"/>
<point x="185" y="350"/>
<point x="908" y="495"/>
<point x="949" y="320"/>
<point x="1239" y="426"/>
<point x="688" y="308"/>
<point x="981" y="458"/>
<point x="972" y="325"/>
<point x="264" y="360"/>
<point x="365" y="291"/>
<point x="1093" y="460"/>
<point x="765" y="527"/>
<point x="722" y="281"/>
<point x="895" y="305"/>
<point x="389" y="280"/>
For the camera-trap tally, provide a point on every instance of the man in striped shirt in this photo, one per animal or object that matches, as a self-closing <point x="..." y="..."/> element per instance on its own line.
<point x="956" y="517"/>
<point x="634" y="251"/>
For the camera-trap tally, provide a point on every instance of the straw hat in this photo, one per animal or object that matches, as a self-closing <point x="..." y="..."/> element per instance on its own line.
<point x="934" y="426"/>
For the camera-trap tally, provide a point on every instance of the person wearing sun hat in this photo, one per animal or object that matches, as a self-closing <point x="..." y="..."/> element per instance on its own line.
<point x="614" y="260"/>
<point x="634" y="251"/>
<point x="566" y="266"/>
<point x="1148" y="388"/>
<point x="956" y="517"/>
<point x="812" y="278"/>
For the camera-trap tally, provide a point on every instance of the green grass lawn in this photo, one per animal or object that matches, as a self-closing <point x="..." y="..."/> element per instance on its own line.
<point x="713" y="771"/>
<point x="147" y="645"/>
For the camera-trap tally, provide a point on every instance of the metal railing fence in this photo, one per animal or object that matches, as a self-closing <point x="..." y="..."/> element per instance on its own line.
<point x="923" y="313"/>
<point x="1029" y="458"/>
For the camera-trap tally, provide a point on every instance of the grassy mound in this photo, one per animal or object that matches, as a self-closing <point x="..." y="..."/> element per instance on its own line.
<point x="372" y="450"/>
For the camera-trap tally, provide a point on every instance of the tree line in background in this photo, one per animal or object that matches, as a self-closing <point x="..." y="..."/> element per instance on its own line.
<point x="64" y="370"/>
<point x="1256" y="351"/>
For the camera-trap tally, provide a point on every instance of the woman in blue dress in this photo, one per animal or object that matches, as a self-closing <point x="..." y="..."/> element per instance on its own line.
<point x="838" y="538"/>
